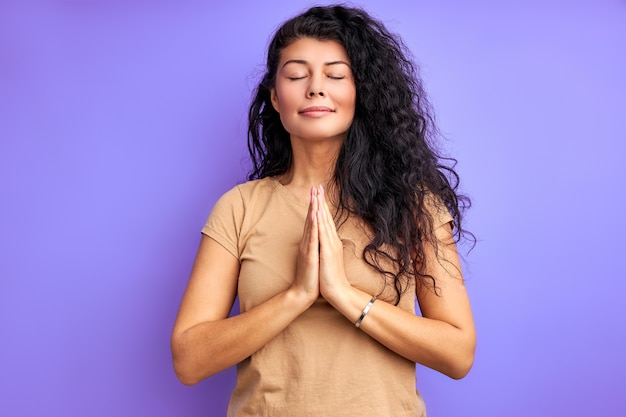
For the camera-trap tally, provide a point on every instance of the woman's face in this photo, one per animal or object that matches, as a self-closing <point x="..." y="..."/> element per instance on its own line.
<point x="314" y="91"/>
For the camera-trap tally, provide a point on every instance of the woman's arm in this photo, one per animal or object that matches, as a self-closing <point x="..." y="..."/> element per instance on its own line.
<point x="443" y="338"/>
<point x="205" y="340"/>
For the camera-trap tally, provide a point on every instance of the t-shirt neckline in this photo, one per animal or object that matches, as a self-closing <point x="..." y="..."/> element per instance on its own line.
<point x="291" y="197"/>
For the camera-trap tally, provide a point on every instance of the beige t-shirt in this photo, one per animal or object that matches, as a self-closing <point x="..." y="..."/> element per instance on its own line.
<point x="321" y="364"/>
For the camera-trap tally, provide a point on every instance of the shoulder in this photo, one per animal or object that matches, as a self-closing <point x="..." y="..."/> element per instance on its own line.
<point x="235" y="205"/>
<point x="251" y="191"/>
<point x="242" y="195"/>
<point x="255" y="187"/>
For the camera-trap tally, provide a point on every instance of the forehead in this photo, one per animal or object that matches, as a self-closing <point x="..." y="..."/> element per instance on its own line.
<point x="313" y="51"/>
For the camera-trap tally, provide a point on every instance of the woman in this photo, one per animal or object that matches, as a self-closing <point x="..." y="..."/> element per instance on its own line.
<point x="348" y="217"/>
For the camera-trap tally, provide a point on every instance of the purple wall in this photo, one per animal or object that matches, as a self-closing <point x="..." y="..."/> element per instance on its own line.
<point x="121" y="122"/>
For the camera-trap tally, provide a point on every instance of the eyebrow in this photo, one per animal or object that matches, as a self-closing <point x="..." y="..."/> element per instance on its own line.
<point x="304" y="62"/>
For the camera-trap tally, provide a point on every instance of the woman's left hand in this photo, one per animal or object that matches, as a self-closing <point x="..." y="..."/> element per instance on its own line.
<point x="333" y="280"/>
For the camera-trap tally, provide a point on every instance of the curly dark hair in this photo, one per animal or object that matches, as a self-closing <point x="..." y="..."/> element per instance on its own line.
<point x="389" y="166"/>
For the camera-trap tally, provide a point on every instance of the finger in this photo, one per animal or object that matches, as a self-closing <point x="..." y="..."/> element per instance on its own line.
<point x="306" y="235"/>
<point x="314" y="206"/>
<point x="325" y="221"/>
<point x="307" y="221"/>
<point x="326" y="214"/>
<point x="313" y="221"/>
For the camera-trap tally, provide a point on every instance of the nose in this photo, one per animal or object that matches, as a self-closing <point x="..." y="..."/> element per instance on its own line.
<point x="313" y="93"/>
<point x="316" y="87"/>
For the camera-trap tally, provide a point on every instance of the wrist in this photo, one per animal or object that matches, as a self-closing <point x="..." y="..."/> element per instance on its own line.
<point x="337" y="294"/>
<point x="299" y="298"/>
<point x="352" y="303"/>
<point x="366" y="310"/>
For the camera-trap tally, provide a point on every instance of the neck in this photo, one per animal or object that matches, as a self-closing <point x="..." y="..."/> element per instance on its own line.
<point x="313" y="163"/>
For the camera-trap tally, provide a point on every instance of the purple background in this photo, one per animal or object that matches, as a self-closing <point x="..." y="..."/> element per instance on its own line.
<point x="121" y="123"/>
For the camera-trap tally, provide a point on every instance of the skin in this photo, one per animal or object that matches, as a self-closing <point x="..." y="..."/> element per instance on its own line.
<point x="206" y="341"/>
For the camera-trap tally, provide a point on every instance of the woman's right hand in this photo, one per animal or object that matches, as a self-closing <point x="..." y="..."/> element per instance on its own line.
<point x="307" y="283"/>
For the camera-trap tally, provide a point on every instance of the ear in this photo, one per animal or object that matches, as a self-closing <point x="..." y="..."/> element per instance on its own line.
<point x="274" y="99"/>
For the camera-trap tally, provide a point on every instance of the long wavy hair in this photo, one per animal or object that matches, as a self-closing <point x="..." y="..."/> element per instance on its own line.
<point x="389" y="167"/>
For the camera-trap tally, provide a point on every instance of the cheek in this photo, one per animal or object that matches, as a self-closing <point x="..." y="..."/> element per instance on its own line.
<point x="348" y="101"/>
<point x="286" y="95"/>
<point x="351" y="104"/>
<point x="348" y="96"/>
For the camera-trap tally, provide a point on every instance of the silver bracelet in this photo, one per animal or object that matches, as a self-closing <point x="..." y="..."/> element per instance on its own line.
<point x="365" y="311"/>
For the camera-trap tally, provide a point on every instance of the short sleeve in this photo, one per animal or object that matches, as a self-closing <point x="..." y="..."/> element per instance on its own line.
<point x="224" y="222"/>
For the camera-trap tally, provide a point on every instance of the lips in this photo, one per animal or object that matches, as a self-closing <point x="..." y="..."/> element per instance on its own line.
<point x="316" y="111"/>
